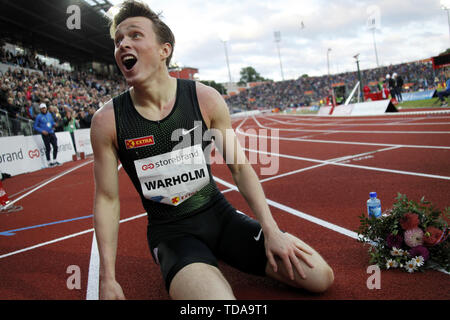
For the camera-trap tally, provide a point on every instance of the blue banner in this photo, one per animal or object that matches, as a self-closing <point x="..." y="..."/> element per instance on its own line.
<point x="418" y="95"/>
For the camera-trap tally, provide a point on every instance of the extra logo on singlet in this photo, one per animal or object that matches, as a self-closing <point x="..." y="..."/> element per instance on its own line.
<point x="139" y="142"/>
<point x="173" y="177"/>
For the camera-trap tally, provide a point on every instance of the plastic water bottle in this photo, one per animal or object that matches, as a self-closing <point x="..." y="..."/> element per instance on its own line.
<point x="374" y="206"/>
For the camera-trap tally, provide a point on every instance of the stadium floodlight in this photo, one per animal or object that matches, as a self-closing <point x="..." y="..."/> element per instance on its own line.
<point x="373" y="23"/>
<point x="277" y="35"/>
<point x="359" y="76"/>
<point x="328" y="60"/>
<point x="445" y="5"/>
<point x="225" y="37"/>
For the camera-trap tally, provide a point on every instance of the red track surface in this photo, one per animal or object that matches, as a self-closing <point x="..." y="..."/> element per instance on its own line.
<point x="334" y="193"/>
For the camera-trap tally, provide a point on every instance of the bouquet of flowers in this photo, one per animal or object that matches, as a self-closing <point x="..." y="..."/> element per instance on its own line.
<point x="410" y="235"/>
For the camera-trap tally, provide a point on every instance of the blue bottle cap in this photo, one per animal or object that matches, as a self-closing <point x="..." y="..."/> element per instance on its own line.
<point x="373" y="194"/>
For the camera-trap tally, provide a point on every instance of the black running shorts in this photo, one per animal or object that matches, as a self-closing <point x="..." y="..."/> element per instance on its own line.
<point x="216" y="233"/>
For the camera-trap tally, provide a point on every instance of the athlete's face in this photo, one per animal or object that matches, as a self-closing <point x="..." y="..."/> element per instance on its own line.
<point x="137" y="50"/>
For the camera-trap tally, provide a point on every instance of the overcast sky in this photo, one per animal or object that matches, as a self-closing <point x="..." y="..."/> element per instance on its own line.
<point x="407" y="30"/>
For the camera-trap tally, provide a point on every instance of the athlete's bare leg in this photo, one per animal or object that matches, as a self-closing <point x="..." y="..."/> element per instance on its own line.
<point x="200" y="281"/>
<point x="318" y="279"/>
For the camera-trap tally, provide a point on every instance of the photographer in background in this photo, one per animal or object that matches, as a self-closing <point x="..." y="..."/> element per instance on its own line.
<point x="45" y="125"/>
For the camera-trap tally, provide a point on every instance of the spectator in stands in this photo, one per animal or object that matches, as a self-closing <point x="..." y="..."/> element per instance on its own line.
<point x="445" y="93"/>
<point x="398" y="86"/>
<point x="59" y="122"/>
<point x="29" y="110"/>
<point x="13" y="112"/>
<point x="390" y="83"/>
<point x="85" y="119"/>
<point x="45" y="125"/>
<point x="71" y="124"/>
<point x="4" y="93"/>
<point x="71" y="87"/>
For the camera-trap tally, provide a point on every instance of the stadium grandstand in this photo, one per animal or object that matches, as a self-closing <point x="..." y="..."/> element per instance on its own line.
<point x="73" y="71"/>
<point x="42" y="60"/>
<point x="308" y="91"/>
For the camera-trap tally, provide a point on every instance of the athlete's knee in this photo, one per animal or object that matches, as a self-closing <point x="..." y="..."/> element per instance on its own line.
<point x="199" y="281"/>
<point x="324" y="279"/>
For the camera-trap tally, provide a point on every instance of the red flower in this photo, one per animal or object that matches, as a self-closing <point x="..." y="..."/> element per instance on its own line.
<point x="409" y="221"/>
<point x="432" y="236"/>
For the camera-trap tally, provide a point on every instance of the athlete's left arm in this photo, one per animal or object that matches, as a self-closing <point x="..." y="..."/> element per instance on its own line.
<point x="216" y="114"/>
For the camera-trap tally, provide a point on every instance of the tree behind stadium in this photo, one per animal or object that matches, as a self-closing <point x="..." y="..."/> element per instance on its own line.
<point x="248" y="75"/>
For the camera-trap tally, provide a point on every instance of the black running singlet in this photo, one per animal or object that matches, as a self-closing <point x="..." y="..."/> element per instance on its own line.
<point x="166" y="159"/>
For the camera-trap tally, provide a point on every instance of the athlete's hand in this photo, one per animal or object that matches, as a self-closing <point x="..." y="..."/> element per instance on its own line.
<point x="111" y="290"/>
<point x="45" y="133"/>
<point x="289" y="250"/>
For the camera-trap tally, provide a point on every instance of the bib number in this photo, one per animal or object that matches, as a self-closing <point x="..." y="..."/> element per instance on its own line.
<point x="172" y="178"/>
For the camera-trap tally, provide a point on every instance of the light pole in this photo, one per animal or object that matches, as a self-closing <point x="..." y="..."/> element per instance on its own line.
<point x="445" y="5"/>
<point x="278" y="40"/>
<point x="224" y="38"/>
<point x="328" y="61"/>
<point x="359" y="76"/>
<point x="329" y="77"/>
<point x="373" y="22"/>
<point x="375" y="46"/>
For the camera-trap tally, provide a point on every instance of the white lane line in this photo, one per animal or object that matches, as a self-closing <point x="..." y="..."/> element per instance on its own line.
<point x="94" y="272"/>
<point x="238" y="130"/>
<point x="93" y="251"/>
<point x="425" y="175"/>
<point x="351" y="131"/>
<point x="345" y="164"/>
<point x="92" y="291"/>
<point x="45" y="243"/>
<point x="46" y="183"/>
<point x="64" y="238"/>
<point x="298" y="213"/>
<point x="398" y="122"/>
<point x="325" y="164"/>
<point x="306" y="216"/>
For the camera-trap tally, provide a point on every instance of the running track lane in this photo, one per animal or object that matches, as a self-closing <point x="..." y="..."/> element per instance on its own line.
<point x="239" y="281"/>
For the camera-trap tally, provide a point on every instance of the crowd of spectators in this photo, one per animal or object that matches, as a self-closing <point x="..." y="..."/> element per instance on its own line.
<point x="311" y="90"/>
<point x="78" y="95"/>
<point x="23" y="89"/>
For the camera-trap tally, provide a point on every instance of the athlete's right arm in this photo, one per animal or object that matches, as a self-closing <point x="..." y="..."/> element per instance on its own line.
<point x="106" y="202"/>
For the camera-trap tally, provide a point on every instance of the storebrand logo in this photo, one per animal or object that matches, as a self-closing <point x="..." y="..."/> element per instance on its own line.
<point x="34" y="153"/>
<point x="139" y="142"/>
<point x="149" y="166"/>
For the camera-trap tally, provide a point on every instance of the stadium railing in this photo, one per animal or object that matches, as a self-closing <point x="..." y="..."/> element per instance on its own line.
<point x="16" y="126"/>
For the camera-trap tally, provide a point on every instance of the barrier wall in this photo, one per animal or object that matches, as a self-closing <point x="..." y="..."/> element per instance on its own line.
<point x="83" y="141"/>
<point x="22" y="154"/>
<point x="324" y="111"/>
<point x="245" y="114"/>
<point x="371" y="108"/>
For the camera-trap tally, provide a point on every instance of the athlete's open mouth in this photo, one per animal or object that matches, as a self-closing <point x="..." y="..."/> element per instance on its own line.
<point x="129" y="61"/>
